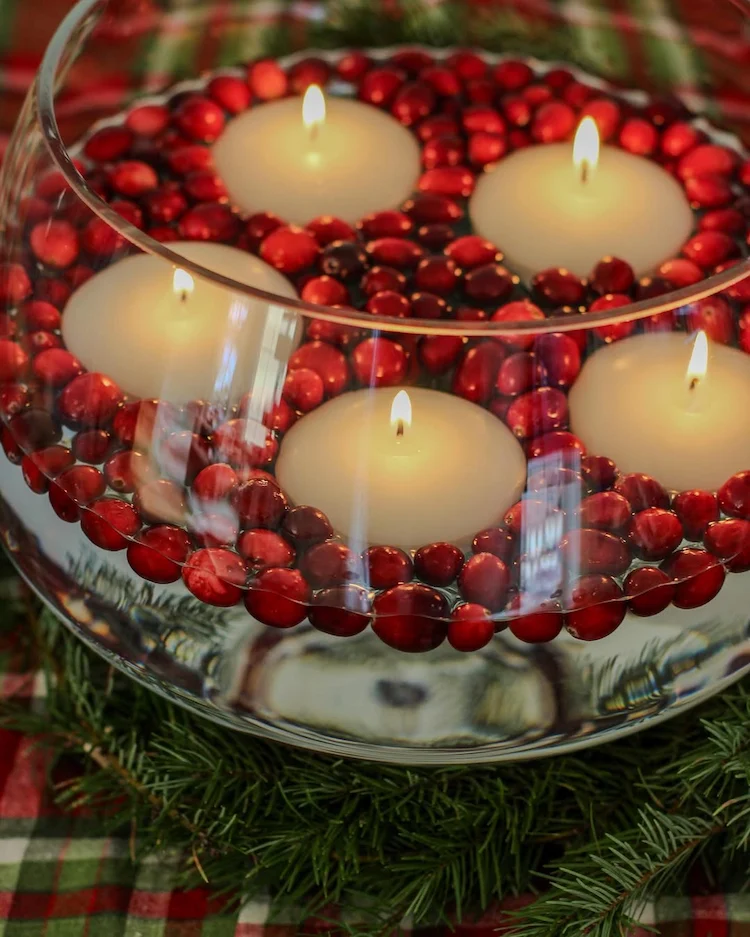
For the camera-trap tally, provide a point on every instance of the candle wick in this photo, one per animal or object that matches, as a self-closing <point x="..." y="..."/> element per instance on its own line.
<point x="183" y="296"/>
<point x="584" y="171"/>
<point x="313" y="131"/>
<point x="400" y="428"/>
<point x="694" y="383"/>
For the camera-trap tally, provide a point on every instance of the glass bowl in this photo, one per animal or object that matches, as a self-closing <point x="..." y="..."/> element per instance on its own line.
<point x="349" y="430"/>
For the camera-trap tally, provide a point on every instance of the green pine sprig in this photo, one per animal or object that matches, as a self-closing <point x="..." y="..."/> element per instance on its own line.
<point x="596" y="833"/>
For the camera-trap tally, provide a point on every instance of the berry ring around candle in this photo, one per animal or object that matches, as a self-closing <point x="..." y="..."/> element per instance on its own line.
<point x="200" y="490"/>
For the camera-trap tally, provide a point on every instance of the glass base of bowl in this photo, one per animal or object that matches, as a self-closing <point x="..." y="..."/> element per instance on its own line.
<point x="357" y="697"/>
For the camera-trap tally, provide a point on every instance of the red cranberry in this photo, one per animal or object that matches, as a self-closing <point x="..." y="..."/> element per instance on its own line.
<point x="264" y="548"/>
<point x="476" y="375"/>
<point x="133" y="178"/>
<point x="413" y="102"/>
<point x="125" y="471"/>
<point x="442" y="80"/>
<point x="639" y="136"/>
<point x="612" y="275"/>
<point x="352" y="66"/>
<point x="388" y="303"/>
<point x="471" y="627"/>
<point x="330" y="563"/>
<point x="595" y="551"/>
<point x="485" y="579"/>
<point x="696" y="510"/>
<point x="538" y="411"/>
<point x="537" y="625"/>
<point x="495" y="540"/>
<point x="54" y="243"/>
<point x="200" y="119"/>
<point x="678" y="138"/>
<point x="467" y="64"/>
<point x="343" y="611"/>
<point x="305" y="526"/>
<point x="451" y="181"/>
<point x="438" y="353"/>
<point x="606" y="115"/>
<point x="512" y="74"/>
<point x="443" y="151"/>
<point x="437" y="275"/>
<point x="680" y="272"/>
<point x="728" y="220"/>
<point x="74" y="488"/>
<point x="730" y="541"/>
<point x="558" y="287"/>
<point x="379" y="279"/>
<point x="13" y="360"/>
<point x="279" y="597"/>
<point x="490" y="283"/>
<point x="734" y="496"/>
<point x="438" y="563"/>
<point x="100" y="240"/>
<point x="605" y="510"/>
<point x="654" y="533"/>
<point x="429" y="306"/>
<point x="215" y="482"/>
<point x="90" y="399"/>
<point x="553" y="477"/>
<point x="516" y="312"/>
<point x="385" y="224"/>
<point x="518" y="374"/>
<point x="709" y="191"/>
<point x="34" y="429"/>
<point x="215" y="576"/>
<point x="136" y="423"/>
<point x="553" y="122"/>
<point x="555" y="441"/>
<point x="39" y="315"/>
<point x="642" y="492"/>
<point x="108" y="144"/>
<point x="345" y="260"/>
<point x="649" y="591"/>
<point x="56" y="367"/>
<point x="379" y="362"/>
<point x="395" y="252"/>
<point x="35" y="342"/>
<point x="379" y="86"/>
<point x="304" y="389"/>
<point x="429" y="208"/>
<point x="41" y="466"/>
<point x="697" y="576"/>
<point x="596" y="608"/>
<point x="714" y="316"/>
<point x="259" y="226"/>
<point x="110" y="523"/>
<point x="472" y="251"/>
<point x="707" y="158"/>
<point x="324" y="291"/>
<point x="13" y="399"/>
<point x="439" y="125"/>
<point x="309" y="71"/>
<point x="92" y="446"/>
<point x="387" y="567"/>
<point x="289" y="249"/>
<point x="517" y="111"/>
<point x="190" y="158"/>
<point x="560" y="357"/>
<point x="411" y="617"/>
<point x="158" y="553"/>
<point x="214" y="529"/>
<point x="209" y="222"/>
<point x="205" y="186"/>
<point x="230" y="92"/>
<point x="259" y="503"/>
<point x="267" y="79"/>
<point x="236" y="442"/>
<point x="709" y="248"/>
<point x="326" y="229"/>
<point x="328" y="362"/>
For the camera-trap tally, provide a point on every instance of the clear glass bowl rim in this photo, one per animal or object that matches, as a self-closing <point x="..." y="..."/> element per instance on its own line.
<point x="45" y="100"/>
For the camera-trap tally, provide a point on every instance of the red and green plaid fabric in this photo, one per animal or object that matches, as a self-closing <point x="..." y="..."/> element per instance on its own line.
<point x="61" y="875"/>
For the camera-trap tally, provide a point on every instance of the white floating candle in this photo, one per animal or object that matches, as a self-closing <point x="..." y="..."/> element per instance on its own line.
<point x="562" y="206"/>
<point x="335" y="157"/>
<point x="158" y="332"/>
<point x="403" y="470"/>
<point x="666" y="405"/>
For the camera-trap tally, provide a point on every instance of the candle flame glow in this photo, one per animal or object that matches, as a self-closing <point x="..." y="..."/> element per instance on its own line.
<point x="698" y="364"/>
<point x="313" y="109"/>
<point x="401" y="412"/>
<point x="586" y="148"/>
<point x="182" y="283"/>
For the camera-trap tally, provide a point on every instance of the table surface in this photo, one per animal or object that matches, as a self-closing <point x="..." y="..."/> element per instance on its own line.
<point x="61" y="874"/>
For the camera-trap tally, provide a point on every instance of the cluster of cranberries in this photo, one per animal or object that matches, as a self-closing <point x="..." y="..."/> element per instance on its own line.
<point x="206" y="506"/>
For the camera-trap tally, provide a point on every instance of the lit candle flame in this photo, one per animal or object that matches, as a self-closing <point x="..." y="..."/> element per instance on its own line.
<point x="586" y="148"/>
<point x="313" y="110"/>
<point x="401" y="412"/>
<point x="183" y="284"/>
<point x="698" y="365"/>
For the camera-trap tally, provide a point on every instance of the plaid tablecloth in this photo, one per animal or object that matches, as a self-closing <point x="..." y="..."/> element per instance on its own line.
<point x="61" y="875"/>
